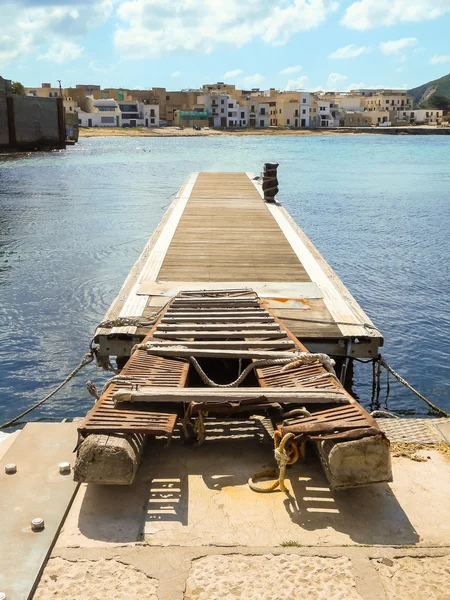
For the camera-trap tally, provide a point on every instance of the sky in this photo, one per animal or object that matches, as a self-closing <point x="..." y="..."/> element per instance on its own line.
<point x="177" y="44"/>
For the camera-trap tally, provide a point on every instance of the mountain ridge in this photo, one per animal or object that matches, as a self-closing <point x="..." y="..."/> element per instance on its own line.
<point x="423" y="94"/>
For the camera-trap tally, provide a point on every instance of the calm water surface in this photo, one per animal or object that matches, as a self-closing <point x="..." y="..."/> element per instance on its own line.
<point x="72" y="223"/>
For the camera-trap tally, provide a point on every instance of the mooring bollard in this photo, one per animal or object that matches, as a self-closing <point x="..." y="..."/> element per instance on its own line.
<point x="270" y="182"/>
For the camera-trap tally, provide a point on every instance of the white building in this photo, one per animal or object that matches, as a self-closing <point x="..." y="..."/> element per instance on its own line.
<point x="101" y="113"/>
<point x="151" y="115"/>
<point x="420" y="116"/>
<point x="131" y="114"/>
<point x="305" y="109"/>
<point x="325" y="118"/>
<point x="107" y="112"/>
<point x="224" y="111"/>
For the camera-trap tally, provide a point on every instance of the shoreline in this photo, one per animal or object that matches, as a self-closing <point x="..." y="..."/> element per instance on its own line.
<point x="189" y="132"/>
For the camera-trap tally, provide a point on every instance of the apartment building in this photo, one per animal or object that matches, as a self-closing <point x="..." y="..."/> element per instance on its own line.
<point x="258" y="111"/>
<point x="108" y="112"/>
<point x="420" y="116"/>
<point x="224" y="110"/>
<point x="385" y="99"/>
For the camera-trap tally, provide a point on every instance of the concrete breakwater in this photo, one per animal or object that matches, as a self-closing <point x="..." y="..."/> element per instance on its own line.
<point x="29" y="123"/>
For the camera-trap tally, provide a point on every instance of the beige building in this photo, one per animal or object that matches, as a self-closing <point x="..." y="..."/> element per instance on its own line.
<point x="47" y="91"/>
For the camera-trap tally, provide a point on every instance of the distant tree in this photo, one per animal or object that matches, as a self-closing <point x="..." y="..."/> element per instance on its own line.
<point x="439" y="102"/>
<point x="18" y="88"/>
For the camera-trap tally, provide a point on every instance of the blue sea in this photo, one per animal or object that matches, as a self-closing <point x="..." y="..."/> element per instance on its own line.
<point x="73" y="222"/>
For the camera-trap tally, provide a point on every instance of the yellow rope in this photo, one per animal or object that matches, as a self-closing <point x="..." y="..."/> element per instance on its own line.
<point x="283" y="457"/>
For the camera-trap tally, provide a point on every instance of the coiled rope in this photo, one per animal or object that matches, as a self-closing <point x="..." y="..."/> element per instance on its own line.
<point x="87" y="358"/>
<point x="283" y="457"/>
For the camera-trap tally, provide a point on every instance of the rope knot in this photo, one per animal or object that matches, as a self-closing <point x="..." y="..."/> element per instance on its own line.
<point x="282" y="458"/>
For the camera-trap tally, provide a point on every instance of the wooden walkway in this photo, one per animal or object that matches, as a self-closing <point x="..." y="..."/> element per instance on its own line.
<point x="220" y="232"/>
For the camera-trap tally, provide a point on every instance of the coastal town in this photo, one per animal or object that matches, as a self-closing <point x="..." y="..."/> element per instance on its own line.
<point x="222" y="105"/>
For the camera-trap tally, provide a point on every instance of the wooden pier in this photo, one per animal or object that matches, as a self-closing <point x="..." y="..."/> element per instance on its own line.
<point x="220" y="233"/>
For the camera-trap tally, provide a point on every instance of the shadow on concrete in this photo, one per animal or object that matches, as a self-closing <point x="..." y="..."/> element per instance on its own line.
<point x="113" y="513"/>
<point x="369" y="515"/>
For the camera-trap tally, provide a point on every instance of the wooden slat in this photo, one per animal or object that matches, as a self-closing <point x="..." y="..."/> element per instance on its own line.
<point x="206" y="334"/>
<point x="282" y="395"/>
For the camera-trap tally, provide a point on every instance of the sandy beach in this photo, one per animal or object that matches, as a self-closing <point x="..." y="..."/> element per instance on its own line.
<point x="275" y="131"/>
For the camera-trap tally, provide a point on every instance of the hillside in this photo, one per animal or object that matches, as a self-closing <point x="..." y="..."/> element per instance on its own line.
<point x="423" y="94"/>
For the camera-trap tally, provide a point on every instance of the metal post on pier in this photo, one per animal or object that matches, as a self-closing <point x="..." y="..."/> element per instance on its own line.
<point x="270" y="182"/>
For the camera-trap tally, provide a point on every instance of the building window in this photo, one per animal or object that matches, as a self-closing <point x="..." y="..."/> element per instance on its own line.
<point x="296" y="112"/>
<point x="222" y="110"/>
<point x="230" y="105"/>
<point x="79" y="122"/>
<point x="280" y="111"/>
<point x="152" y="121"/>
<point x="242" y="114"/>
<point x="167" y="97"/>
<point x="129" y="116"/>
<point x="230" y="114"/>
<point x="107" y="120"/>
<point x="304" y="112"/>
<point x="105" y="108"/>
<point x="261" y="123"/>
<point x="263" y="111"/>
<point x="288" y="122"/>
<point x="252" y="108"/>
<point x="152" y="112"/>
<point x="222" y="102"/>
<point x="304" y="100"/>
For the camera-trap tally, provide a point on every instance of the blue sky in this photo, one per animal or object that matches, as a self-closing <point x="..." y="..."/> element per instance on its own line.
<point x="287" y="44"/>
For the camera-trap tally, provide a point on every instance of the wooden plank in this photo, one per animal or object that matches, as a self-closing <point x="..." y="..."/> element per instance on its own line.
<point x="282" y="395"/>
<point x="207" y="334"/>
<point x="233" y="319"/>
<point x="36" y="490"/>
<point x="228" y="351"/>
<point x="163" y="326"/>
<point x="264" y="289"/>
<point x="276" y="344"/>
<point x="216" y="312"/>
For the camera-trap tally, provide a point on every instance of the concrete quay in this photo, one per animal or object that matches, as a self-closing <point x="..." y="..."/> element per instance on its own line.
<point x="190" y="528"/>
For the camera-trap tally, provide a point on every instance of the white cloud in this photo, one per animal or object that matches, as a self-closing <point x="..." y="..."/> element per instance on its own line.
<point x="252" y="80"/>
<point x="335" y="81"/>
<point x="153" y="27"/>
<point x="233" y="73"/>
<point x="291" y="70"/>
<point x="350" y="51"/>
<point x="62" y="51"/>
<point x="175" y="74"/>
<point x="439" y="59"/>
<point x="297" y="84"/>
<point x="365" y="14"/>
<point x="396" y="46"/>
<point x="96" y="69"/>
<point x="32" y="26"/>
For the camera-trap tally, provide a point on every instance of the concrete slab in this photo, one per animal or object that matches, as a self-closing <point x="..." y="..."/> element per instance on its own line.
<point x="195" y="497"/>
<point x="96" y="580"/>
<point x="421" y="578"/>
<point x="269" y="577"/>
<point x="36" y="490"/>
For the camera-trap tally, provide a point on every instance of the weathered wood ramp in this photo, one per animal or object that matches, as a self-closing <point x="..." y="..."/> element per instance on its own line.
<point x="219" y="232"/>
<point x="163" y="380"/>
